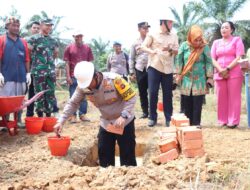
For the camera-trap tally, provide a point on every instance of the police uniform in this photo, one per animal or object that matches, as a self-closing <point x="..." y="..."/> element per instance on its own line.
<point x="138" y="61"/>
<point x="118" y="63"/>
<point x="114" y="97"/>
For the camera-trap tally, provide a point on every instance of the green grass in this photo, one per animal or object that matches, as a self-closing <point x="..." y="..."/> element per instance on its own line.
<point x="209" y="114"/>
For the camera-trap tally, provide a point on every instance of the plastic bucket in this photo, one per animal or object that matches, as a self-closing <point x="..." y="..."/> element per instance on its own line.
<point x="160" y="106"/>
<point x="33" y="125"/>
<point x="48" y="124"/>
<point x="58" y="145"/>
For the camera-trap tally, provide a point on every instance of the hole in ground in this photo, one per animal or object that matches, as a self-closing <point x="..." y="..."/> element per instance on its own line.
<point x="91" y="158"/>
<point x="139" y="153"/>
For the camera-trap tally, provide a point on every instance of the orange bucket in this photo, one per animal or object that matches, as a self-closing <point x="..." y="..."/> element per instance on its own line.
<point x="160" y="106"/>
<point x="33" y="125"/>
<point x="48" y="124"/>
<point x="58" y="145"/>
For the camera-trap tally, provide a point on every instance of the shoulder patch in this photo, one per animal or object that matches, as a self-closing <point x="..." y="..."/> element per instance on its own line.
<point x="124" y="88"/>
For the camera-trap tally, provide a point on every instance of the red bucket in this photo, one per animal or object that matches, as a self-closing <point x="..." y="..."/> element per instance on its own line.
<point x="34" y="125"/>
<point x="160" y="106"/>
<point x="58" y="145"/>
<point x="48" y="124"/>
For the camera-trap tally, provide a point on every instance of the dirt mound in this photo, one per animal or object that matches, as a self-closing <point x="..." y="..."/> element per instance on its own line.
<point x="26" y="163"/>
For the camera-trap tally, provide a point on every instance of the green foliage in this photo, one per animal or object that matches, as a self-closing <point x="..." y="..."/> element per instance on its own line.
<point x="184" y="22"/>
<point x="214" y="12"/>
<point x="3" y="18"/>
<point x="100" y="50"/>
<point x="24" y="31"/>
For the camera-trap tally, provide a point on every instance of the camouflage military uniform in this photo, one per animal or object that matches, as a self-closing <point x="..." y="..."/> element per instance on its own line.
<point x="43" y="70"/>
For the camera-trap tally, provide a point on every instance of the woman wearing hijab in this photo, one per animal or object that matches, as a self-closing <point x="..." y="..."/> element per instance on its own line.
<point x="228" y="75"/>
<point x="194" y="72"/>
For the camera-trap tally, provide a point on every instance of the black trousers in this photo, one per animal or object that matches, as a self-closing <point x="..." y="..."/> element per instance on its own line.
<point x="31" y="93"/>
<point x="126" y="142"/>
<point x="193" y="107"/>
<point x="142" y="81"/>
<point x="155" y="78"/>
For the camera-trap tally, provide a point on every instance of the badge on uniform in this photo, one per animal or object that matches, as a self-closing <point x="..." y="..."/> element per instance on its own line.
<point x="124" y="89"/>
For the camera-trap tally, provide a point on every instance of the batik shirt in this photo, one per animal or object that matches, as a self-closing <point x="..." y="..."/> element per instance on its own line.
<point x="195" y="80"/>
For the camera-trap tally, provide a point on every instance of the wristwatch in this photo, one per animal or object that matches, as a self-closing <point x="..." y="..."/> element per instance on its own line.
<point x="124" y="115"/>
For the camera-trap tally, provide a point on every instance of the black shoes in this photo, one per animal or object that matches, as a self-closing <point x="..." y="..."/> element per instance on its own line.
<point x="151" y="123"/>
<point x="143" y="116"/>
<point x="232" y="126"/>
<point x="167" y="123"/>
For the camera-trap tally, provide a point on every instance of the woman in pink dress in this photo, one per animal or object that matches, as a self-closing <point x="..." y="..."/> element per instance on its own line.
<point x="228" y="75"/>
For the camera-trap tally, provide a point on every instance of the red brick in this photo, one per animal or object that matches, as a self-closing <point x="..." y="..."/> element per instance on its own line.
<point x="171" y="129"/>
<point x="172" y="123"/>
<point x="168" y="136"/>
<point x="179" y="138"/>
<point x="181" y="122"/>
<point x="168" y="156"/>
<point x="179" y="133"/>
<point x="117" y="130"/>
<point x="191" y="133"/>
<point x="191" y="144"/>
<point x="168" y="144"/>
<point x="191" y="153"/>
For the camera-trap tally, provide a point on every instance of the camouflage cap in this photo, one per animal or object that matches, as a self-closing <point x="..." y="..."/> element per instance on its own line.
<point x="143" y="25"/>
<point x="47" y="21"/>
<point x="11" y="20"/>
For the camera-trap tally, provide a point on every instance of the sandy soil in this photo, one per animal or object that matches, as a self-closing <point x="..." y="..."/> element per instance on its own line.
<point x="26" y="162"/>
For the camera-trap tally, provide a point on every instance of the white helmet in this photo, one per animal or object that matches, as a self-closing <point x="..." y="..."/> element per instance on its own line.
<point x="168" y="16"/>
<point x="83" y="73"/>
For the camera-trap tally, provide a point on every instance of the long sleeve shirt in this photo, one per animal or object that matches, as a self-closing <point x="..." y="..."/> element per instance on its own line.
<point x="163" y="61"/>
<point x="195" y="80"/>
<point x="225" y="53"/>
<point x="107" y="99"/>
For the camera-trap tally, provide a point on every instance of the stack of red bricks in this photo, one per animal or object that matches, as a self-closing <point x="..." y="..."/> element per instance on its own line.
<point x="168" y="145"/>
<point x="180" y="138"/>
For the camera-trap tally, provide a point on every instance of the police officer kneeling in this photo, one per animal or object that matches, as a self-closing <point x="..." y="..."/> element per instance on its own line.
<point x="115" y="99"/>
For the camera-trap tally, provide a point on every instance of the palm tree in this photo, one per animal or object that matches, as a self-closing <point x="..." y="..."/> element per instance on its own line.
<point x="100" y="49"/>
<point x="215" y="12"/>
<point x="184" y="22"/>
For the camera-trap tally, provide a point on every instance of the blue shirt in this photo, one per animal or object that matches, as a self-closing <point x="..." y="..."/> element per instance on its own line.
<point x="13" y="62"/>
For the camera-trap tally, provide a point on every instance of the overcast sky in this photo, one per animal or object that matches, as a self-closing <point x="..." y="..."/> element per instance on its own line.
<point x="109" y="19"/>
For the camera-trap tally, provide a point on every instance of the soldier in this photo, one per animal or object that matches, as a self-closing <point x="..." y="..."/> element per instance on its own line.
<point x="44" y="50"/>
<point x="138" y="61"/>
<point x="117" y="61"/>
<point x="115" y="99"/>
